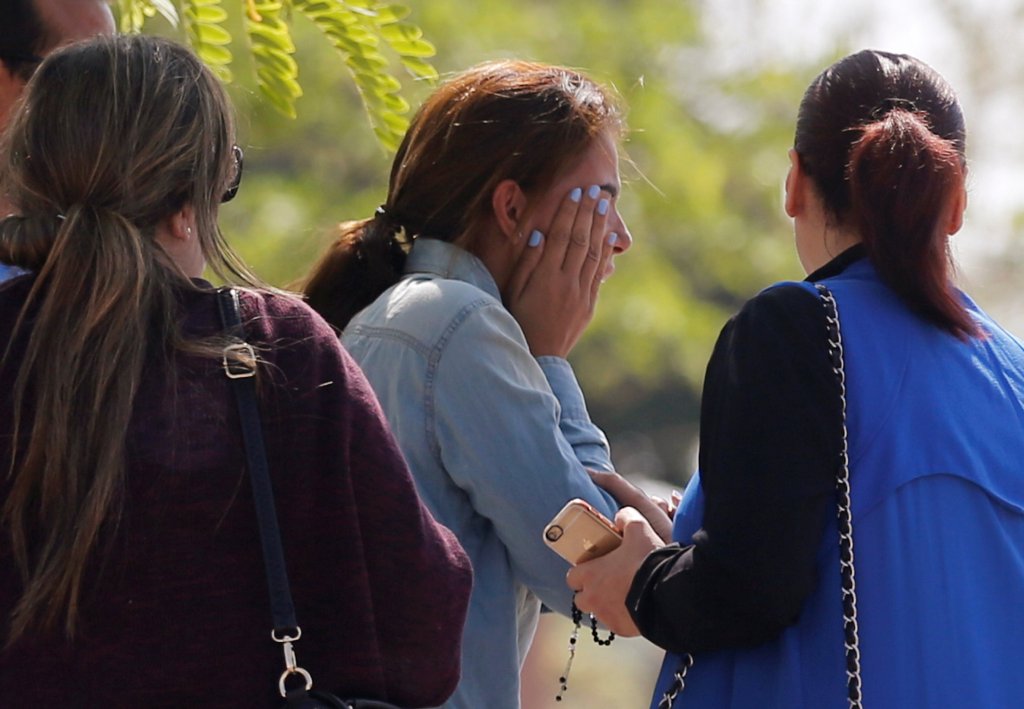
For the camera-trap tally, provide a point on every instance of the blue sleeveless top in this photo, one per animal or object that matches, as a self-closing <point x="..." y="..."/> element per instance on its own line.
<point x="936" y="436"/>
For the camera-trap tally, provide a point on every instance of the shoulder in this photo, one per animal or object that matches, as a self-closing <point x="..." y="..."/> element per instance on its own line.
<point x="432" y="311"/>
<point x="278" y="315"/>
<point x="295" y="338"/>
<point x="778" y="314"/>
<point x="443" y="297"/>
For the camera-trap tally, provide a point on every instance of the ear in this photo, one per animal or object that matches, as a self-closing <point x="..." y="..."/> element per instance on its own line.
<point x="957" y="206"/>
<point x="508" y="204"/>
<point x="795" y="185"/>
<point x="182" y="224"/>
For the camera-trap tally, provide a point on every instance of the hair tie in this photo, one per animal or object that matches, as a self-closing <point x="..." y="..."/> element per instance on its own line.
<point x="381" y="213"/>
<point x="391" y="224"/>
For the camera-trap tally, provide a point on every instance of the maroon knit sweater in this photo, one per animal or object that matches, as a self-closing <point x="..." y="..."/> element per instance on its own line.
<point x="177" y="613"/>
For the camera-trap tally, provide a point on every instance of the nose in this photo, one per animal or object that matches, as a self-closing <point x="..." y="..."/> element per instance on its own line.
<point x="625" y="240"/>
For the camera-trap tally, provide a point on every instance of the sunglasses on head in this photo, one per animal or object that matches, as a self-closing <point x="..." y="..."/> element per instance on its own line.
<point x="232" y="189"/>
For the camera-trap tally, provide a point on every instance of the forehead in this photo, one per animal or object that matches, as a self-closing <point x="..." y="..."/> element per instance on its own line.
<point x="72" y="20"/>
<point x="598" y="164"/>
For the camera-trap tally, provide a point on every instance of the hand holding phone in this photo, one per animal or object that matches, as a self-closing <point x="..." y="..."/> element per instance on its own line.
<point x="580" y="533"/>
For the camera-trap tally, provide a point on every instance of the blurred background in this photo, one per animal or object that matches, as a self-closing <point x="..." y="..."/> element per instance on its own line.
<point x="712" y="88"/>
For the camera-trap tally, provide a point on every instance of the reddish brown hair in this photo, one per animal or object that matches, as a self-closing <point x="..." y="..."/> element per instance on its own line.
<point x="882" y="137"/>
<point x="497" y="121"/>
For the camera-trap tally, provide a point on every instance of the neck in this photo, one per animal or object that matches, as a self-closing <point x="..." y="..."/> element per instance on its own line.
<point x="498" y="254"/>
<point x="821" y="242"/>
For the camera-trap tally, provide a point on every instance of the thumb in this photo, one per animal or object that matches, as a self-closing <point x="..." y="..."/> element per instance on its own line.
<point x="629" y="517"/>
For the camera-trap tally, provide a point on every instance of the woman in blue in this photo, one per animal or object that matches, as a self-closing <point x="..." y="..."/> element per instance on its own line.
<point x="935" y="417"/>
<point x="460" y="299"/>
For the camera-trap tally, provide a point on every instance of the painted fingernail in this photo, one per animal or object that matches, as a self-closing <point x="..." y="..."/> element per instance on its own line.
<point x="535" y="238"/>
<point x="602" y="207"/>
<point x="576" y="194"/>
<point x="613" y="239"/>
<point x="593" y="192"/>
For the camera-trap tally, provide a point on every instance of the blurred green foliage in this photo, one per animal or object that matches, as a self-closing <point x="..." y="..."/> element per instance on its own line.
<point x="359" y="30"/>
<point x="702" y="199"/>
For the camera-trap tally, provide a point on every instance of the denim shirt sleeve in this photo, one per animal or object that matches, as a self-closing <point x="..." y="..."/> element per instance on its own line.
<point x="511" y="445"/>
<point x="588" y="441"/>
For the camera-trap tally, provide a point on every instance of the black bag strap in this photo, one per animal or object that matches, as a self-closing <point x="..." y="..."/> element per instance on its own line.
<point x="851" y="638"/>
<point x="240" y="367"/>
<point x="243" y="382"/>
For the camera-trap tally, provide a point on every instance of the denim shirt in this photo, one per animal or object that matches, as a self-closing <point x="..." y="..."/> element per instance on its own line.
<point x="497" y="441"/>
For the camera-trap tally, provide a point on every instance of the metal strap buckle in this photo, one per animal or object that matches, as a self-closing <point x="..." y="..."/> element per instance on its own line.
<point x="291" y="666"/>
<point x="234" y="367"/>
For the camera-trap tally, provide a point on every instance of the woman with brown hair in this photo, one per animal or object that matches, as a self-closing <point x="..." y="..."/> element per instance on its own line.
<point x="461" y="298"/>
<point x="131" y="573"/>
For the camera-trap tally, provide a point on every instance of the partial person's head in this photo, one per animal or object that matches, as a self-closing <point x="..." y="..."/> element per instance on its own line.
<point x="33" y="29"/>
<point x="879" y="159"/>
<point x="124" y="140"/>
<point x="118" y="158"/>
<point x="488" y="157"/>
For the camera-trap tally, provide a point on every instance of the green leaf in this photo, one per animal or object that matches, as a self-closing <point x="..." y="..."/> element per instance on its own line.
<point x="395" y="103"/>
<point x="414" y="48"/>
<point x="272" y="48"/>
<point x="407" y="40"/>
<point x="420" y="69"/>
<point x="380" y="82"/>
<point x="205" y="12"/>
<point x="367" y="63"/>
<point x="400" y="31"/>
<point x="391" y="13"/>
<point x="203" y="26"/>
<point x="277" y="61"/>
<point x="398" y="124"/>
<point x="132" y="15"/>
<point x="216" y="56"/>
<point x="212" y="34"/>
<point x="279" y="82"/>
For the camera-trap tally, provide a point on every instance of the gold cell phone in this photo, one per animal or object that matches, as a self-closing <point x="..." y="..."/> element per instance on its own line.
<point x="580" y="533"/>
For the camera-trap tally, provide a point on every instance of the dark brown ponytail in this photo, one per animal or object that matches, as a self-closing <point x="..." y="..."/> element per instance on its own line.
<point x="901" y="178"/>
<point x="882" y="136"/>
<point x="365" y="260"/>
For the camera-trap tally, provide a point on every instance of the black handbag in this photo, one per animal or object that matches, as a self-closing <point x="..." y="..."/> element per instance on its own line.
<point x="295" y="684"/>
<point x="851" y="638"/>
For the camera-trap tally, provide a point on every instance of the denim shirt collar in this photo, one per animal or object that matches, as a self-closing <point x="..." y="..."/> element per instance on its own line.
<point x="446" y="260"/>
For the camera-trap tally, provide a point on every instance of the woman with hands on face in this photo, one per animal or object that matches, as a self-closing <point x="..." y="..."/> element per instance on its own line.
<point x="461" y="298"/>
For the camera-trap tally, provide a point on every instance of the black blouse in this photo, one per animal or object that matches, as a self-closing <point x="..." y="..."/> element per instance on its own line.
<point x="770" y="429"/>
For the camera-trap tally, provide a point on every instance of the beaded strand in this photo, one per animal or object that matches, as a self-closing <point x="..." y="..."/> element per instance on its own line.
<point x="577" y="620"/>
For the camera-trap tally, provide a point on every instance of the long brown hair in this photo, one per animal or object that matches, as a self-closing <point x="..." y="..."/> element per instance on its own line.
<point x="115" y="135"/>
<point x="499" y="120"/>
<point x="882" y="137"/>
